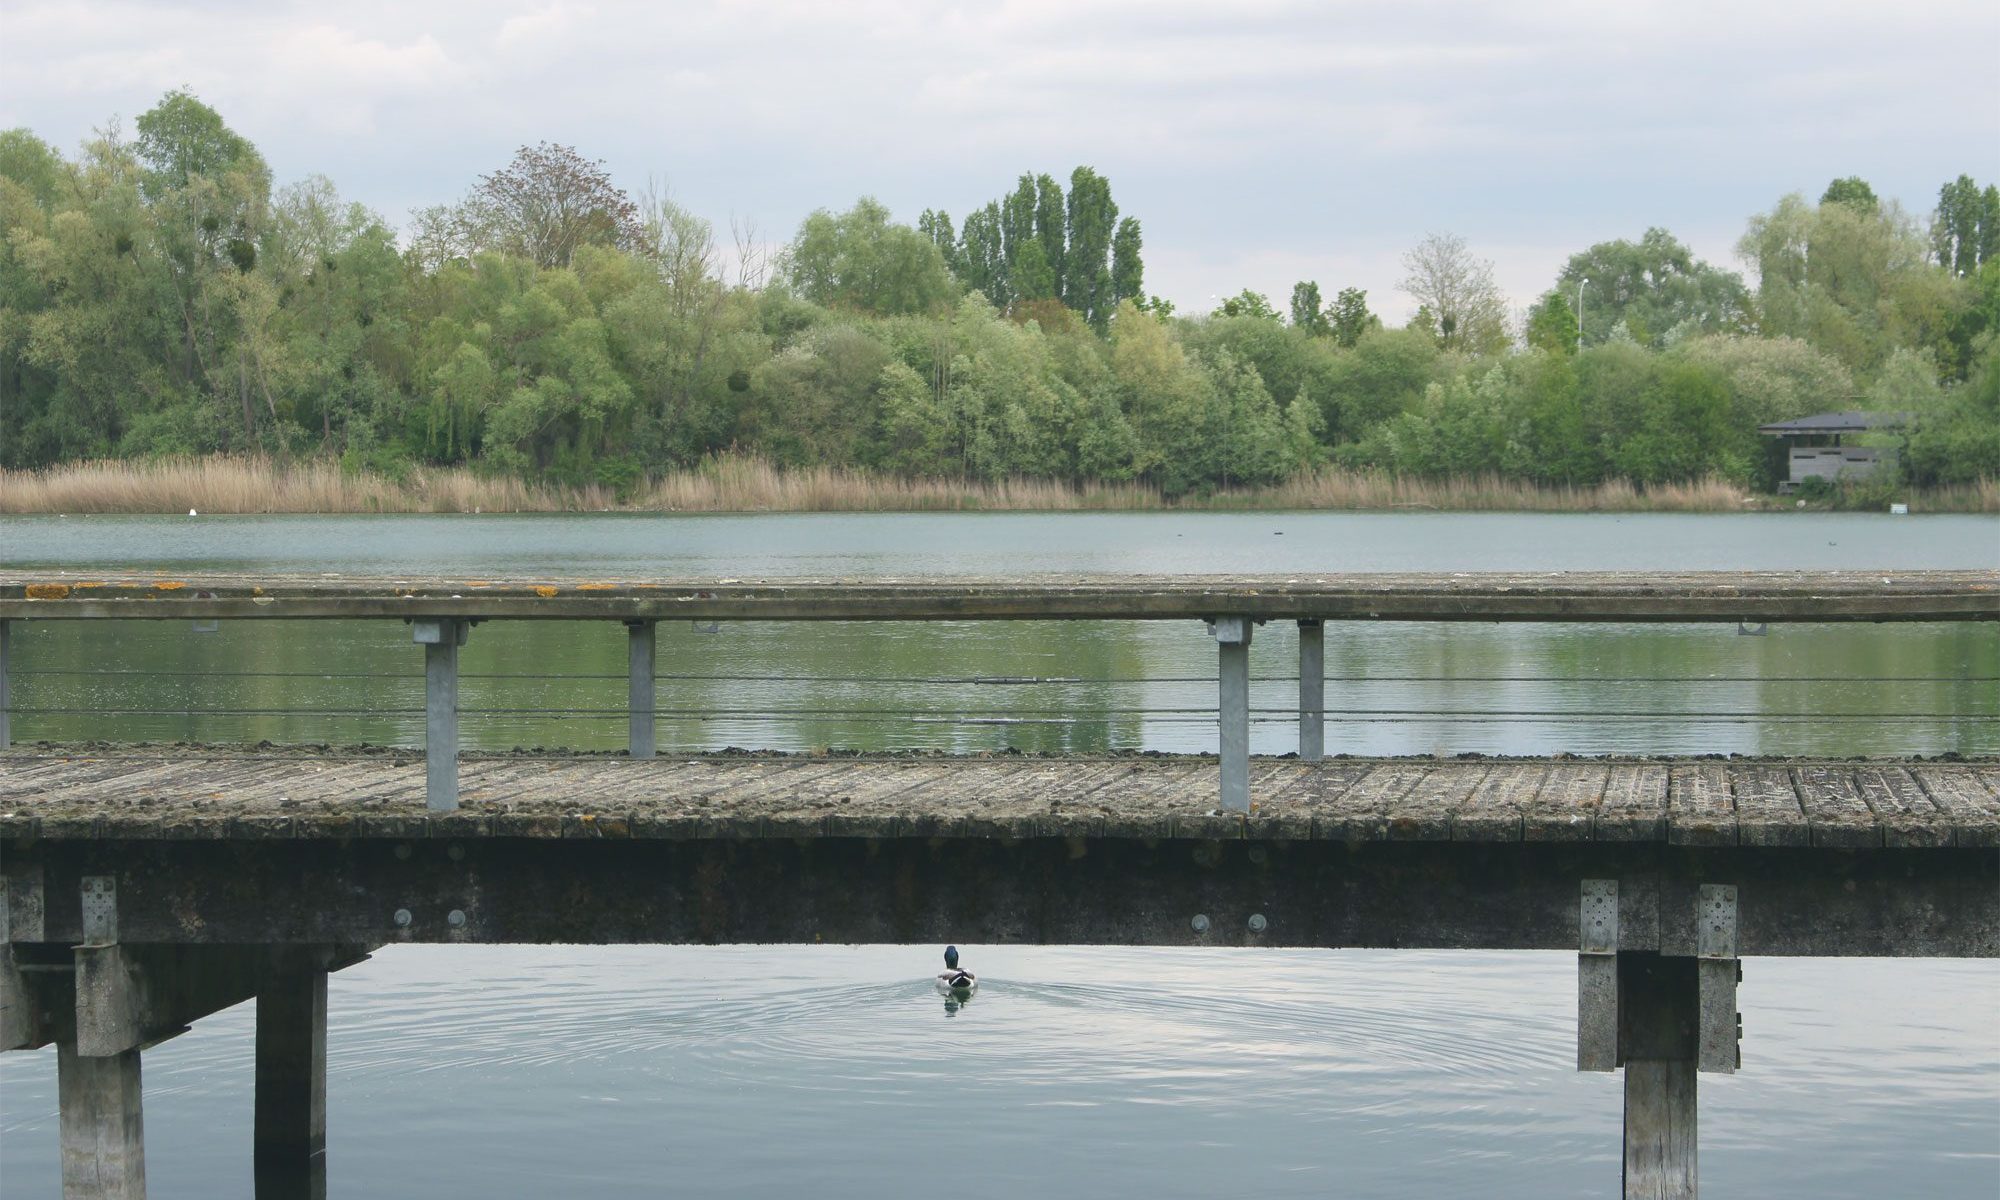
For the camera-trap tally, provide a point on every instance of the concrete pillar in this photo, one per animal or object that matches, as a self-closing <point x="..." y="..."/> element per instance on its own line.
<point x="102" y="1130"/>
<point x="440" y="640"/>
<point x="1312" y="691"/>
<point x="640" y="739"/>
<point x="290" y="1138"/>
<point x="1232" y="637"/>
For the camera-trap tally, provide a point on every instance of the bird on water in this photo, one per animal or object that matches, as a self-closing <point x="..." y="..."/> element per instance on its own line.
<point x="954" y="980"/>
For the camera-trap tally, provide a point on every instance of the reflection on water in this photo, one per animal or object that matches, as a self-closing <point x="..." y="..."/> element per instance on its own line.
<point x="1404" y="688"/>
<point x="751" y="1071"/>
<point x="1038" y="686"/>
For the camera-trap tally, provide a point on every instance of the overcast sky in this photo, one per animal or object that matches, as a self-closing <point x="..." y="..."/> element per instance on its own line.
<point x="1258" y="142"/>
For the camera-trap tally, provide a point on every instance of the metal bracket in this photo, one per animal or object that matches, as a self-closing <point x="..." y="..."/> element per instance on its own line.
<point x="1715" y="921"/>
<point x="431" y="632"/>
<point x="205" y="624"/>
<point x="1231" y="631"/>
<point x="1719" y="1027"/>
<point x="100" y="910"/>
<point x="1597" y="927"/>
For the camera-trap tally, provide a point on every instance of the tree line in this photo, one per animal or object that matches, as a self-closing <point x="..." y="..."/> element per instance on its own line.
<point x="159" y="295"/>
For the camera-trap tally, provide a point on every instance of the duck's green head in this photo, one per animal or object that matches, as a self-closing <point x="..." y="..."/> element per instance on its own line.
<point x="951" y="958"/>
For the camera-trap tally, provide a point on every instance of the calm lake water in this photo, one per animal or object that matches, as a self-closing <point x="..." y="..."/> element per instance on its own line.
<point x="534" y="1071"/>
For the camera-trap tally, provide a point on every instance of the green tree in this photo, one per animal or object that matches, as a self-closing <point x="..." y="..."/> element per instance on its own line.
<point x="1247" y="303"/>
<point x="935" y="224"/>
<point x="1093" y="219"/>
<point x="1854" y="283"/>
<point x="1349" y="318"/>
<point x="1128" y="268"/>
<point x="1306" y="314"/>
<point x="1552" y="325"/>
<point x="1853" y="191"/>
<point x="861" y="260"/>
<point x="1965" y="232"/>
<point x="1656" y="287"/>
<point x="1051" y="229"/>
<point x="982" y="260"/>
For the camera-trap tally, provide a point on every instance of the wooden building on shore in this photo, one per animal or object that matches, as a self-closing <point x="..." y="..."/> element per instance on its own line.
<point x="1821" y="447"/>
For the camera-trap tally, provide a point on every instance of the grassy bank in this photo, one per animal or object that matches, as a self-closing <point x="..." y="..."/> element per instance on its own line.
<point x="246" y="485"/>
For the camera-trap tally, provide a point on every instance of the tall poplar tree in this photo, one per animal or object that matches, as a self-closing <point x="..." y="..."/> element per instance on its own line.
<point x="1128" y="270"/>
<point x="982" y="264"/>
<point x="1093" y="219"/>
<point x="1050" y="228"/>
<point x="1306" y="314"/>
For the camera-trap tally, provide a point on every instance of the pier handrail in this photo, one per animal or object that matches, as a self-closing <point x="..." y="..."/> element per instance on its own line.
<point x="1513" y="596"/>
<point x="441" y="611"/>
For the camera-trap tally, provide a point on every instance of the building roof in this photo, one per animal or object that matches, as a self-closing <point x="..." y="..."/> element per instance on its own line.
<point x="1837" y="422"/>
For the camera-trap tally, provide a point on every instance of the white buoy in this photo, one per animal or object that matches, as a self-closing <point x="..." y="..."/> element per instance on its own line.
<point x="191" y="512"/>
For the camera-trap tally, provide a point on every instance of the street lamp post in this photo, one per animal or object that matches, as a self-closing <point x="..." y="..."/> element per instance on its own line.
<point x="1580" y="285"/>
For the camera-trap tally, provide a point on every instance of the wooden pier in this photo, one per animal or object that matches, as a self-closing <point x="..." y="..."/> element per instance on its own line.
<point x="145" y="888"/>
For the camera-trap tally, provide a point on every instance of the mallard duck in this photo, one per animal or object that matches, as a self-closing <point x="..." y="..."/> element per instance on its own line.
<point x="953" y="981"/>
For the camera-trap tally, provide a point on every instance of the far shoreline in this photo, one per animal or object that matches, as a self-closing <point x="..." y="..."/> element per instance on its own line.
<point x="239" y="486"/>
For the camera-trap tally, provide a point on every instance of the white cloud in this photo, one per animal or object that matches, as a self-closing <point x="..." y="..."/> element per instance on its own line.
<point x="1260" y="142"/>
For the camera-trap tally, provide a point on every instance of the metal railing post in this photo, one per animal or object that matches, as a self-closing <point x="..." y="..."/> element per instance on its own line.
<point x="640" y="740"/>
<point x="6" y="696"/>
<point x="440" y="640"/>
<point x="1232" y="637"/>
<point x="1312" y="691"/>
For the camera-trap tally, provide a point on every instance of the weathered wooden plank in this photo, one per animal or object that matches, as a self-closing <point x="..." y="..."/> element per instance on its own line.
<point x="202" y="795"/>
<point x="1634" y="807"/>
<point x="1321" y="794"/>
<point x="1768" y="812"/>
<point x="1839" y="816"/>
<point x="1362" y="812"/>
<point x="1907" y="816"/>
<point x="1700" y="810"/>
<point x="1574" y="596"/>
<point x="1425" y="812"/>
<point x="1492" y="810"/>
<point x="1565" y="806"/>
<point x="1962" y="799"/>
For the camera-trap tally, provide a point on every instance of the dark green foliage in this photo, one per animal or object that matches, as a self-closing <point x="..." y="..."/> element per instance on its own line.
<point x="1852" y="191"/>
<point x="1552" y="325"/>
<point x="1306" y="314"/>
<point x="1128" y="270"/>
<point x="1655" y="288"/>
<point x="859" y="259"/>
<point x="1349" y="317"/>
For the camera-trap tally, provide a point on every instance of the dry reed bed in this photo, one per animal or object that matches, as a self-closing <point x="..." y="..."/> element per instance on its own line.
<point x="736" y="484"/>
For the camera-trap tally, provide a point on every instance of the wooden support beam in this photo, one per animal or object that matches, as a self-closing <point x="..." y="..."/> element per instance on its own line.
<point x="291" y="1068"/>
<point x="102" y="1127"/>
<point x="1660" y="1151"/>
<point x="1657" y="1018"/>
